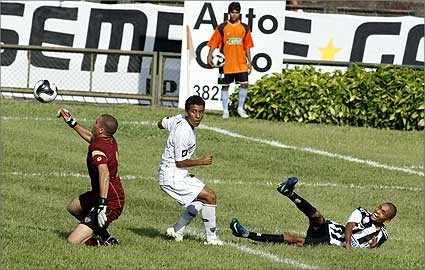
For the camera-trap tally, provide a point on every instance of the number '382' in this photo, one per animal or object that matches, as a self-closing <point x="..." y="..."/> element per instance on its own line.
<point x="206" y="92"/>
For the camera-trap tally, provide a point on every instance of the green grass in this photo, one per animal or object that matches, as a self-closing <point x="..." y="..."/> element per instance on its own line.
<point x="43" y="168"/>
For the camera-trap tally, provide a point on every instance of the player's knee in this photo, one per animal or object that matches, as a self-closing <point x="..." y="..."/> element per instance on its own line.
<point x="316" y="218"/>
<point x="70" y="209"/>
<point x="317" y="215"/>
<point x="191" y="209"/>
<point x="212" y="197"/>
<point x="244" y="85"/>
<point x="73" y="240"/>
<point x="74" y="207"/>
<point x="225" y="88"/>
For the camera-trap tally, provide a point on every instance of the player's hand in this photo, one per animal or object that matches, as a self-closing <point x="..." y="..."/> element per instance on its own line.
<point x="67" y="117"/>
<point x="206" y="160"/>
<point x="209" y="60"/>
<point x="373" y="242"/>
<point x="101" y="212"/>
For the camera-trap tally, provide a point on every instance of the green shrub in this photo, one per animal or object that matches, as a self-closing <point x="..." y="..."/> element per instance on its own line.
<point x="388" y="97"/>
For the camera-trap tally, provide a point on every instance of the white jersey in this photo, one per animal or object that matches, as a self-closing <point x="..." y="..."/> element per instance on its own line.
<point x="180" y="145"/>
<point x="362" y="232"/>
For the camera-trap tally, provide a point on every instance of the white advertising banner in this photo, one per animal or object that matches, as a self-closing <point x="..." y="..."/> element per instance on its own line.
<point x="79" y="24"/>
<point x="277" y="35"/>
<point x="280" y="34"/>
<point x="386" y="40"/>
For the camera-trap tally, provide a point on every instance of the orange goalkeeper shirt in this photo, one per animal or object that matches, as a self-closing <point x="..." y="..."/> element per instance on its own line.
<point x="235" y="41"/>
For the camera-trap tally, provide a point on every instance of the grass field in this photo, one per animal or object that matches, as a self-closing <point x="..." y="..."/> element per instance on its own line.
<point x="340" y="168"/>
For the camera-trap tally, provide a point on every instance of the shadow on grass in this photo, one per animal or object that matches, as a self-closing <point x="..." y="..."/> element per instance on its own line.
<point x="148" y="232"/>
<point x="155" y="233"/>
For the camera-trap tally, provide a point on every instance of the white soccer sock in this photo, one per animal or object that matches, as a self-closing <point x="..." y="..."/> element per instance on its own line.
<point x="243" y="93"/>
<point x="188" y="215"/>
<point x="225" y="99"/>
<point x="209" y="219"/>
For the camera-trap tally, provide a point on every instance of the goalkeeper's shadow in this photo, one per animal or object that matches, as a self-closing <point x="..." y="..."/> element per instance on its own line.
<point x="148" y="232"/>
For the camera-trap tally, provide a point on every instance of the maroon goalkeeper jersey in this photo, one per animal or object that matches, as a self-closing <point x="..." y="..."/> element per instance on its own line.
<point x="105" y="151"/>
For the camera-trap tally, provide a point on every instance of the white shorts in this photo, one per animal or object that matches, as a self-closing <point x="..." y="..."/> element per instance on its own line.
<point x="184" y="190"/>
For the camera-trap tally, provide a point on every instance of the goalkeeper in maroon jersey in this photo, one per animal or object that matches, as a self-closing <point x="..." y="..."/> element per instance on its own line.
<point x="363" y="229"/>
<point x="97" y="208"/>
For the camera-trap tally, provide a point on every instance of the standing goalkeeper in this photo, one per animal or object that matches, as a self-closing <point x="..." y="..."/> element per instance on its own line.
<point x="97" y="208"/>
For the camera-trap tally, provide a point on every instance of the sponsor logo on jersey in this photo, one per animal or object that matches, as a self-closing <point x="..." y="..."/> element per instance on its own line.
<point x="234" y="41"/>
<point x="354" y="242"/>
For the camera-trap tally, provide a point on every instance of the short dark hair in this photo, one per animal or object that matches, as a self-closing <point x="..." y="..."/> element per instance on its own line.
<point x="194" y="100"/>
<point x="392" y="206"/>
<point x="109" y="123"/>
<point x="234" y="6"/>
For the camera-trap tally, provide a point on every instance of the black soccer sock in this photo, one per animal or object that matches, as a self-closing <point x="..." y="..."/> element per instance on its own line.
<point x="103" y="233"/>
<point x="302" y="204"/>
<point x="272" y="238"/>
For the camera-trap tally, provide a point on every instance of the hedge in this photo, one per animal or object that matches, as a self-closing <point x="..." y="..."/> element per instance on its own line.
<point x="387" y="97"/>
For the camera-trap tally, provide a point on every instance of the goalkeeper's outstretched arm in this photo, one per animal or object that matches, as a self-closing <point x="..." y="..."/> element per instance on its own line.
<point x="84" y="132"/>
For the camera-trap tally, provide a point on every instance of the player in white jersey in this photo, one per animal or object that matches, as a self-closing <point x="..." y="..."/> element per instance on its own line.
<point x="363" y="229"/>
<point x="174" y="178"/>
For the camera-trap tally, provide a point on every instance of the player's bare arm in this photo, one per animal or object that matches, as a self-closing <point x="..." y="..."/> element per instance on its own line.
<point x="84" y="133"/>
<point x="159" y="124"/>
<point x="248" y="58"/>
<point x="204" y="160"/>
<point x="348" y="233"/>
<point x="209" y="58"/>
<point x="103" y="180"/>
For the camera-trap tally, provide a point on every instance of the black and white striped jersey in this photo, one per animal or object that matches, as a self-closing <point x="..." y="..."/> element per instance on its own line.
<point x="362" y="232"/>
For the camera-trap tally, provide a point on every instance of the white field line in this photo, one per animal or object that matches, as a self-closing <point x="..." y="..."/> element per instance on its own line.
<point x="314" y="151"/>
<point x="253" y="251"/>
<point x="224" y="182"/>
<point x="371" y="163"/>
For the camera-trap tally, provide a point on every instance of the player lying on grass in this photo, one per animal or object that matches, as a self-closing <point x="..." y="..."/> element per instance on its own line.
<point x="363" y="229"/>
<point x="97" y="208"/>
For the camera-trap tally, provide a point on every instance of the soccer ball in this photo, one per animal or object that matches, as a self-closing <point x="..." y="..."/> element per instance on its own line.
<point x="218" y="60"/>
<point x="44" y="91"/>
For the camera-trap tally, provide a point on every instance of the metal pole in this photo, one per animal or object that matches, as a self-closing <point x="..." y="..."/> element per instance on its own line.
<point x="28" y="68"/>
<point x="91" y="72"/>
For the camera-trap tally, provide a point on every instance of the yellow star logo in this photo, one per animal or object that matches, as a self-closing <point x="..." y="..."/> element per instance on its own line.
<point x="328" y="52"/>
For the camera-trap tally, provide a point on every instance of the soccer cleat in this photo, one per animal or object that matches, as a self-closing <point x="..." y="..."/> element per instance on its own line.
<point x="242" y="113"/>
<point x="225" y="114"/>
<point x="177" y="236"/>
<point x="287" y="187"/>
<point x="237" y="229"/>
<point x="111" y="241"/>
<point x="214" y="242"/>
<point x="93" y="242"/>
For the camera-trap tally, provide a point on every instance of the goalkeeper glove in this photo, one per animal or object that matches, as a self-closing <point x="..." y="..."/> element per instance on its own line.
<point x="67" y="117"/>
<point x="101" y="211"/>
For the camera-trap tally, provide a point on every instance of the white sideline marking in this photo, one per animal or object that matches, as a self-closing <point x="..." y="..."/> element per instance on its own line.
<point x="223" y="182"/>
<point x="272" y="257"/>
<point x="409" y="170"/>
<point x="268" y="255"/>
<point x="314" y="151"/>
